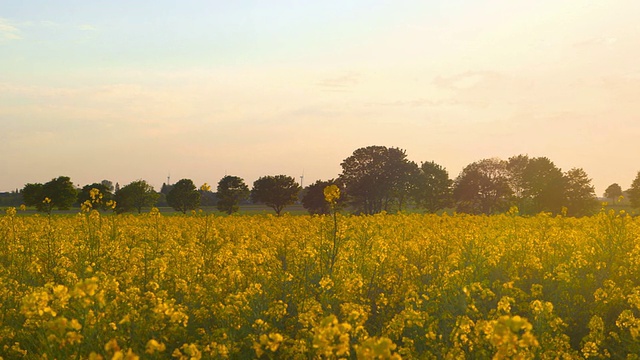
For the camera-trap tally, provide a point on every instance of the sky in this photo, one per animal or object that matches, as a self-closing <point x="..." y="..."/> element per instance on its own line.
<point x="128" y="90"/>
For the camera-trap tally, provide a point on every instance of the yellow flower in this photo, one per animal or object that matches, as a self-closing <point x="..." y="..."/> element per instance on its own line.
<point x="153" y="345"/>
<point x="95" y="195"/>
<point x="86" y="206"/>
<point x="331" y="194"/>
<point x="111" y="204"/>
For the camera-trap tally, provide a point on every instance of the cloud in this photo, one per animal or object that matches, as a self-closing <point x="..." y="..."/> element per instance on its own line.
<point x="87" y="27"/>
<point x="340" y="83"/>
<point x="421" y="102"/>
<point x="465" y="80"/>
<point x="8" y="32"/>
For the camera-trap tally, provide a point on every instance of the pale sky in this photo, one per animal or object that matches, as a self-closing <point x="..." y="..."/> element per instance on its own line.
<point x="127" y="90"/>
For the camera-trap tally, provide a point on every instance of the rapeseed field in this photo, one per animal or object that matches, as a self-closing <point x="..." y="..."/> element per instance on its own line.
<point x="105" y="286"/>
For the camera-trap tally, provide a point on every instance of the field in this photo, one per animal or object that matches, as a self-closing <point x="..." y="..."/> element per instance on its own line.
<point x="97" y="286"/>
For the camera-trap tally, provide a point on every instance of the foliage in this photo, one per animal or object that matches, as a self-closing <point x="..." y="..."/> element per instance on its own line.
<point x="433" y="187"/>
<point x="545" y="186"/>
<point x="135" y="196"/>
<point x="537" y="184"/>
<point x="231" y="190"/>
<point x="32" y="195"/>
<point x="13" y="198"/>
<point x="105" y="193"/>
<point x="634" y="192"/>
<point x="408" y="285"/>
<point x="482" y="187"/>
<point x="580" y="194"/>
<point x="183" y="196"/>
<point x="378" y="178"/>
<point x="314" y="199"/>
<point x="613" y="192"/>
<point x="58" y="193"/>
<point x="275" y="191"/>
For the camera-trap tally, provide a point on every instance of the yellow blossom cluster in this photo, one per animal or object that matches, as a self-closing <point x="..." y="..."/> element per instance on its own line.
<point x="151" y="286"/>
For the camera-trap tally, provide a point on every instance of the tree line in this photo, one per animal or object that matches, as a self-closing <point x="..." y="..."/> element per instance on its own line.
<point x="373" y="179"/>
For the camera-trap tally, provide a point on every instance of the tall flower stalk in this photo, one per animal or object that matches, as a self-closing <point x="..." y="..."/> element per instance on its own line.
<point x="331" y="195"/>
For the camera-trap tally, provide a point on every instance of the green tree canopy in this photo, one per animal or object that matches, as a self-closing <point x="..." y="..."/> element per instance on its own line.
<point x="536" y="183"/>
<point x="483" y="187"/>
<point x="58" y="193"/>
<point x="32" y="195"/>
<point x="432" y="187"/>
<point x="313" y="199"/>
<point x="184" y="196"/>
<point x="135" y="196"/>
<point x="580" y="195"/>
<point x="230" y="191"/>
<point x="377" y="178"/>
<point x="634" y="192"/>
<point x="613" y="192"/>
<point x="105" y="192"/>
<point x="544" y="186"/>
<point x="275" y="191"/>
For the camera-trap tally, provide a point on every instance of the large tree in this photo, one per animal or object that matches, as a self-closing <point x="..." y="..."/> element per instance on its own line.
<point x="634" y="192"/>
<point x="483" y="187"/>
<point x="377" y="178"/>
<point x="230" y="191"/>
<point x="314" y="199"/>
<point x="432" y="187"/>
<point x="184" y="196"/>
<point x="135" y="196"/>
<point x="105" y="195"/>
<point x="613" y="192"/>
<point x="58" y="193"/>
<point x="544" y="186"/>
<point x="32" y="195"/>
<point x="580" y="195"/>
<point x="516" y="166"/>
<point x="275" y="191"/>
<point x="536" y="183"/>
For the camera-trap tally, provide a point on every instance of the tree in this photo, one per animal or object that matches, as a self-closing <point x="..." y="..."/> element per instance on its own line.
<point x="613" y="192"/>
<point x="634" y="192"/>
<point x="58" y="193"/>
<point x="432" y="187"/>
<point x="544" y="186"/>
<point x="105" y="192"/>
<point x="61" y="192"/>
<point x="536" y="183"/>
<point x="314" y="200"/>
<point x="275" y="191"/>
<point x="32" y="195"/>
<point x="483" y="187"/>
<point x="135" y="195"/>
<point x="183" y="196"/>
<point x="376" y="178"/>
<point x="580" y="194"/>
<point x="230" y="191"/>
<point x="516" y="166"/>
<point x="108" y="184"/>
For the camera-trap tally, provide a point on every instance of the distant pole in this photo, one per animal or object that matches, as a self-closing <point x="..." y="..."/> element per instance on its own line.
<point x="169" y="179"/>
<point x="302" y="179"/>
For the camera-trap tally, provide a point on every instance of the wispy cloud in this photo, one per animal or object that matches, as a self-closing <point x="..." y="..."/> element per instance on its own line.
<point x="341" y="82"/>
<point x="464" y="80"/>
<point x="87" y="27"/>
<point x="8" y="31"/>
<point x="420" y="102"/>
